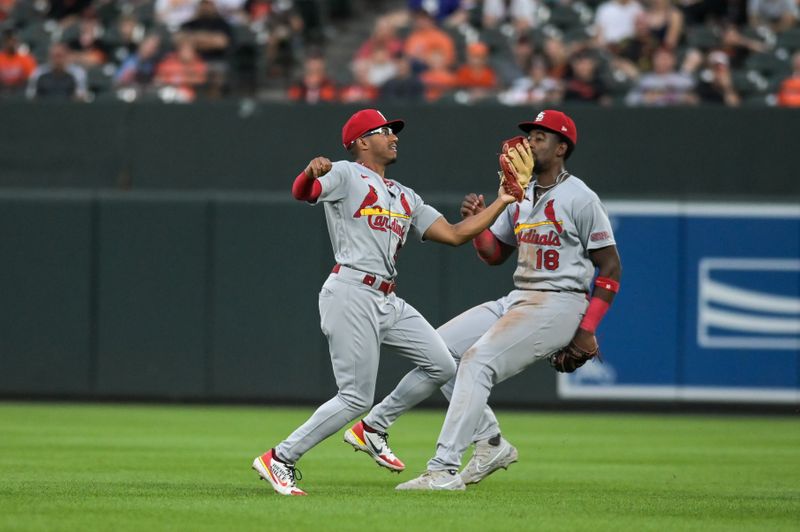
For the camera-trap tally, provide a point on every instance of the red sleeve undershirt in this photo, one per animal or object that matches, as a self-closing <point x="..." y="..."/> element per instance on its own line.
<point x="488" y="247"/>
<point x="306" y="188"/>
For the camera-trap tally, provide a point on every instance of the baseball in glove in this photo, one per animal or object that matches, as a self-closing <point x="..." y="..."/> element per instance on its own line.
<point x="516" y="167"/>
<point x="571" y="357"/>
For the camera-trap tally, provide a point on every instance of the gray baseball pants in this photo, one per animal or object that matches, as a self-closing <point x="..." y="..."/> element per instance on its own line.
<point x="491" y="343"/>
<point x="357" y="320"/>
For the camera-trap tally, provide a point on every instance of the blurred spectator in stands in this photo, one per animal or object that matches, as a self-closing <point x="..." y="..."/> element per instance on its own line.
<point x="16" y="66"/>
<point x="87" y="47"/>
<point x="377" y="54"/>
<point x="664" y="85"/>
<point x="635" y="54"/>
<point x="476" y="77"/>
<point x="697" y="12"/>
<point x="445" y="12"/>
<point x="557" y="55"/>
<point x="789" y="91"/>
<point x="139" y="70"/>
<point x="282" y="24"/>
<point x="125" y="37"/>
<point x="380" y="65"/>
<point x="58" y="79"/>
<point x="6" y="6"/>
<point x="426" y="41"/>
<point x="66" y="11"/>
<point x="438" y="79"/>
<point x="715" y="83"/>
<point x="515" y="66"/>
<point x="257" y="12"/>
<point x="233" y="11"/>
<point x="174" y="13"/>
<point x="664" y="21"/>
<point x="615" y="22"/>
<point x="316" y="86"/>
<point x="384" y="36"/>
<point x="536" y="88"/>
<point x="405" y="86"/>
<point x="735" y="44"/>
<point x="209" y="33"/>
<point x="361" y="90"/>
<point x="583" y="84"/>
<point x="212" y="37"/>
<point x="777" y="15"/>
<point x="520" y="14"/>
<point x="738" y="46"/>
<point x="183" y="70"/>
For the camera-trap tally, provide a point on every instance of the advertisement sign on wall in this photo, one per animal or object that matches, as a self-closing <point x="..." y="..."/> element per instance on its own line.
<point x="709" y="307"/>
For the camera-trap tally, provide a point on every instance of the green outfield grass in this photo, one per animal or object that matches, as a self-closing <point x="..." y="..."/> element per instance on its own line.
<point x="117" y="468"/>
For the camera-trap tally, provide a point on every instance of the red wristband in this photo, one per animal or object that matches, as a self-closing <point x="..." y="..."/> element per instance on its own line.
<point x="594" y="313"/>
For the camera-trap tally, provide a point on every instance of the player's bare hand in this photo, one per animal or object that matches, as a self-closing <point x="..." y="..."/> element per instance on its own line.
<point x="472" y="205"/>
<point x="504" y="196"/>
<point x="318" y="167"/>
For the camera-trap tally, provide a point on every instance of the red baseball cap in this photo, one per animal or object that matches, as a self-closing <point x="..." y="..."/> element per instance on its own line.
<point x="366" y="120"/>
<point x="553" y="121"/>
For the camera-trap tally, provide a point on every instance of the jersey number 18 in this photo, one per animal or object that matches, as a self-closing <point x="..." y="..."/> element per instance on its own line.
<point x="548" y="259"/>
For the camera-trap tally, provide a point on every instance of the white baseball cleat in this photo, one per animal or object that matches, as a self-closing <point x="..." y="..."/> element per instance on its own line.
<point x="488" y="458"/>
<point x="280" y="475"/>
<point x="435" y="480"/>
<point x="374" y="444"/>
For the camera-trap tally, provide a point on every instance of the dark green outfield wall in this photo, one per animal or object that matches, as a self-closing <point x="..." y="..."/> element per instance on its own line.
<point x="665" y="153"/>
<point x="195" y="296"/>
<point x="201" y="281"/>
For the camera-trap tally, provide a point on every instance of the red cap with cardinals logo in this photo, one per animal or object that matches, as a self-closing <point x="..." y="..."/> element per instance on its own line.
<point x="556" y="122"/>
<point x="366" y="120"/>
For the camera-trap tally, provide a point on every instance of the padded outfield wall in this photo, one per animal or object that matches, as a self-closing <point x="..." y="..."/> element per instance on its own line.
<point x="214" y="296"/>
<point x="686" y="153"/>
<point x="172" y="290"/>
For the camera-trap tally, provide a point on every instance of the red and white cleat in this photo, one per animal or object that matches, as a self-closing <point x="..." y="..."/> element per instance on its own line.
<point x="280" y="475"/>
<point x="374" y="444"/>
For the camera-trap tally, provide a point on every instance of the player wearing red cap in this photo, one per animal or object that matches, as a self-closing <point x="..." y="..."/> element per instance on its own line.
<point x="562" y="233"/>
<point x="369" y="218"/>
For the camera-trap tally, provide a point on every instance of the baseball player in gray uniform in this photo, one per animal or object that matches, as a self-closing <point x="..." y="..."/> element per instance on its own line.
<point x="562" y="233"/>
<point x="369" y="218"/>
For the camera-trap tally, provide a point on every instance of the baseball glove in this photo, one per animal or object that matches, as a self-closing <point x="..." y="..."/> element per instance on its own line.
<point x="516" y="167"/>
<point x="571" y="357"/>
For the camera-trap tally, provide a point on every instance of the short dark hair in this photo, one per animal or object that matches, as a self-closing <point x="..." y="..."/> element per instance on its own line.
<point x="570" y="146"/>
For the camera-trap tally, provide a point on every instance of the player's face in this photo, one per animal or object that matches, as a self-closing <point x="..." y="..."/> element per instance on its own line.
<point x="544" y="146"/>
<point x="383" y="144"/>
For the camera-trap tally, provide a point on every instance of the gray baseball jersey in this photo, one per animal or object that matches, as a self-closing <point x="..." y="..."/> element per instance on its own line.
<point x="555" y="236"/>
<point x="369" y="217"/>
<point x="498" y="339"/>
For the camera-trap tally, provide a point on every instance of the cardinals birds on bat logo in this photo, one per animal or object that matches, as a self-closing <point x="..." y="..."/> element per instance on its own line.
<point x="370" y="200"/>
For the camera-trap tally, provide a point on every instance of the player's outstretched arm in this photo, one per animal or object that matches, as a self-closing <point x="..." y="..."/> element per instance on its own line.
<point x="490" y="249"/>
<point x="306" y="187"/>
<point x="456" y="234"/>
